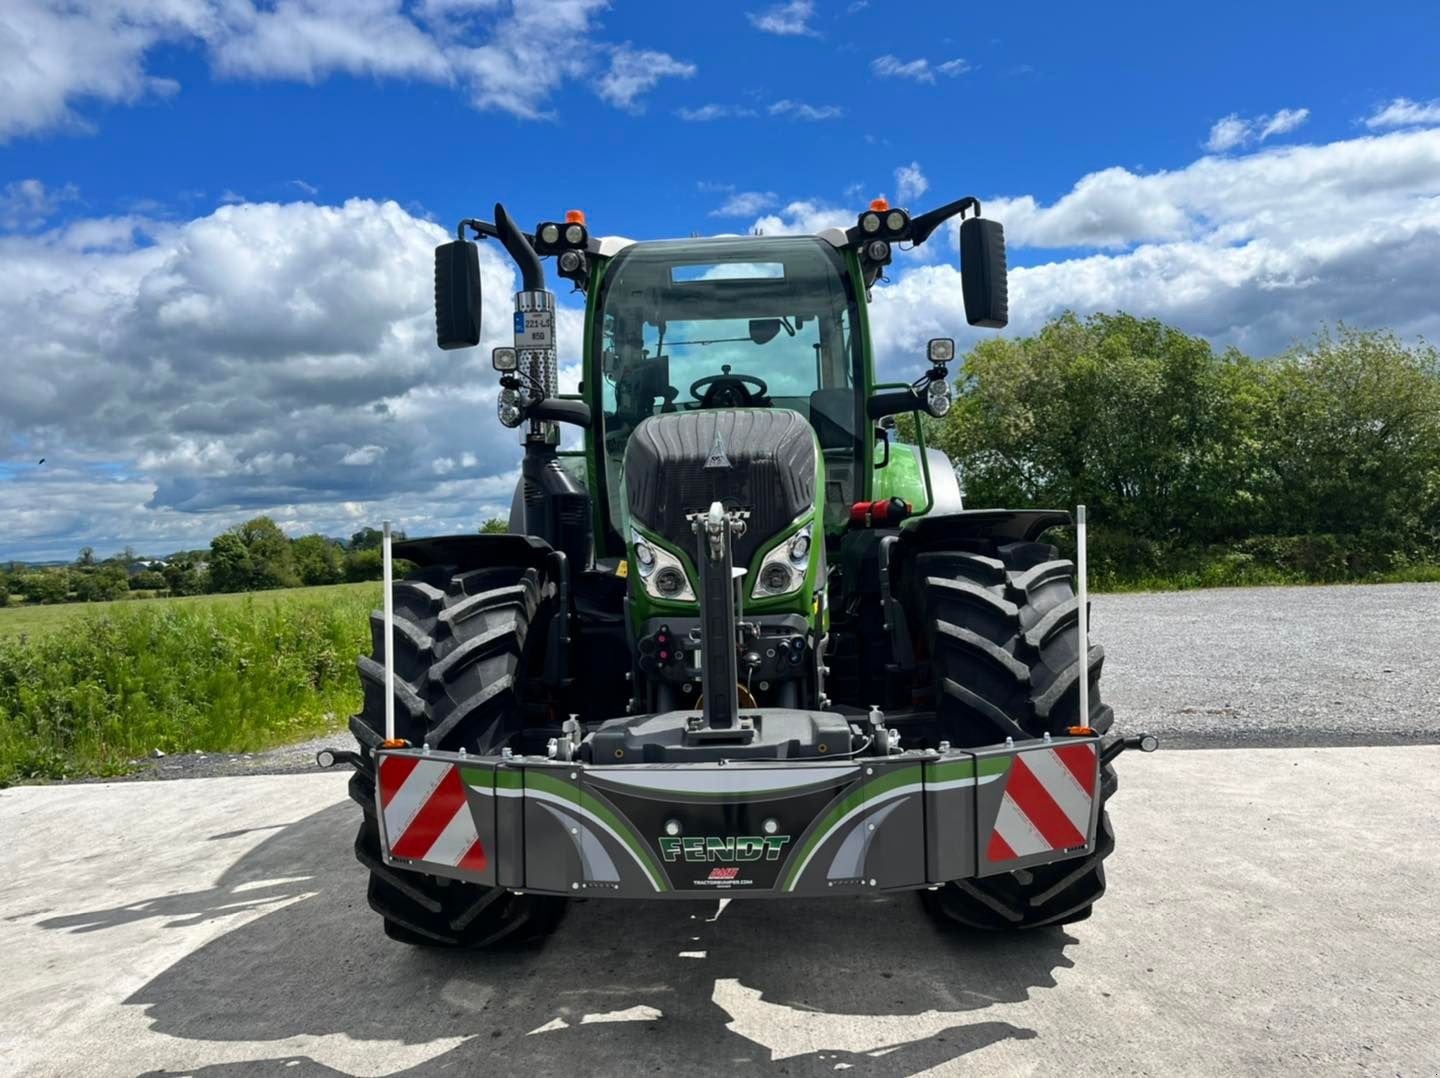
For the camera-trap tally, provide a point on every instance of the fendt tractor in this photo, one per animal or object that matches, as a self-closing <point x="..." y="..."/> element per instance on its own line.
<point x="745" y="643"/>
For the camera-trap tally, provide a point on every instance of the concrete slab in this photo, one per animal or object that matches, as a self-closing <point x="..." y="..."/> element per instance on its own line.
<point x="1270" y="911"/>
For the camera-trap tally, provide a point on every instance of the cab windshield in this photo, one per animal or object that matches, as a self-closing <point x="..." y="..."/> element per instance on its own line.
<point x="732" y="323"/>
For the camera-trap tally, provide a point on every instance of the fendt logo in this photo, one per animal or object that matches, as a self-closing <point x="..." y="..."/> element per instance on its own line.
<point x="714" y="848"/>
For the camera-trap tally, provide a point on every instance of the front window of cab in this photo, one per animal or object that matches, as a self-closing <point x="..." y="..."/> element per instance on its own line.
<point x="747" y="323"/>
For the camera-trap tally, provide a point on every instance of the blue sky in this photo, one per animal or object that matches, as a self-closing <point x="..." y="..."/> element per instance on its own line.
<point x="215" y="217"/>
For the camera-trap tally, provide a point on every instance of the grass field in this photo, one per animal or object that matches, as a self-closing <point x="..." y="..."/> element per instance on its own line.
<point x="87" y="688"/>
<point x="17" y="619"/>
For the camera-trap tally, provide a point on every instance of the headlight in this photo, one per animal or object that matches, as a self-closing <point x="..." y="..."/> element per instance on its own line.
<point x="895" y="221"/>
<point x="783" y="570"/>
<point x="877" y="250"/>
<point x="507" y="407"/>
<point x="870" y="222"/>
<point x="570" y="261"/>
<point x="574" y="234"/>
<point x="670" y="582"/>
<point x="776" y="578"/>
<point x="550" y="234"/>
<point x="937" y="397"/>
<point x="661" y="573"/>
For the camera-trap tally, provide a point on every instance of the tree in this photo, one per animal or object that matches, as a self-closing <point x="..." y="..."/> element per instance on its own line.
<point x="494" y="525"/>
<point x="183" y="575"/>
<point x="1353" y="437"/>
<point x="252" y="556"/>
<point x="231" y="567"/>
<point x="372" y="538"/>
<point x="104" y="582"/>
<point x="86" y="558"/>
<point x="148" y="580"/>
<point x="363" y="565"/>
<point x="47" y="585"/>
<point x="1141" y="422"/>
<point x="318" y="560"/>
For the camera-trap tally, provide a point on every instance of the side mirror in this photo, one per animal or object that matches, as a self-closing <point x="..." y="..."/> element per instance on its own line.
<point x="457" y="295"/>
<point x="982" y="272"/>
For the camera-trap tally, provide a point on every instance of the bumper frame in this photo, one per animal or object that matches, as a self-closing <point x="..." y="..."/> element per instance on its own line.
<point x="739" y="829"/>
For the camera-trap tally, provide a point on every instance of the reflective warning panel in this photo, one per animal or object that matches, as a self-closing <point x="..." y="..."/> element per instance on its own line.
<point x="1043" y="807"/>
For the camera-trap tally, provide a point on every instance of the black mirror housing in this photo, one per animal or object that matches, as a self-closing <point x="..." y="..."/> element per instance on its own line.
<point x="982" y="273"/>
<point x="457" y="295"/>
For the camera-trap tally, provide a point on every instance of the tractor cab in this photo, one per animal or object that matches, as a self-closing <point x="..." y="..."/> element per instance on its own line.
<point x="748" y="323"/>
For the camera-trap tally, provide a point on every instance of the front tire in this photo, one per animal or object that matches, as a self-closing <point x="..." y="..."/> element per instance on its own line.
<point x="999" y="624"/>
<point x="465" y="645"/>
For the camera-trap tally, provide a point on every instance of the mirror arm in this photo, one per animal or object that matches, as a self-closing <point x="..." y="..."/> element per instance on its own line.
<point x="560" y="411"/>
<point x="484" y="230"/>
<point x="921" y="227"/>
<point x="892" y="402"/>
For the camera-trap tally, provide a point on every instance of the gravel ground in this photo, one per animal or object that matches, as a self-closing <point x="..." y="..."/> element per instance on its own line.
<point x="1230" y="667"/>
<point x="1236" y="667"/>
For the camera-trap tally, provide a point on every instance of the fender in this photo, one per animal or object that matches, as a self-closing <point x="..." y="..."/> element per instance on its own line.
<point x="1003" y="525"/>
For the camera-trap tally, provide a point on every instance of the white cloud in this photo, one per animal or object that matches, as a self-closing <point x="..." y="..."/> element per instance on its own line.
<point x="790" y="19"/>
<point x="180" y="377"/>
<point x="705" y="113"/>
<point x="634" y="72"/>
<point x="1231" y="131"/>
<point x="366" y="454"/>
<point x="264" y="358"/>
<point x="746" y="204"/>
<point x="799" y="110"/>
<point x="510" y="55"/>
<point x="910" y="183"/>
<point x="307" y="40"/>
<point x="920" y="70"/>
<point x="309" y="188"/>
<point x="26" y="204"/>
<point x="804" y="217"/>
<point x="1402" y="112"/>
<point x="1246" y="250"/>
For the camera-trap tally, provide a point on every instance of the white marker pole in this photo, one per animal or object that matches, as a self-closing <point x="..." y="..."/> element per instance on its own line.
<point x="389" y="636"/>
<point x="1083" y="618"/>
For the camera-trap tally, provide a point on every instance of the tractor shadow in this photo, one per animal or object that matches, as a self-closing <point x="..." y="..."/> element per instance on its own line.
<point x="804" y="987"/>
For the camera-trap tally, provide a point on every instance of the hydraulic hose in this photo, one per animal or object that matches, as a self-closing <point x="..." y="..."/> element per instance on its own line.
<point x="531" y="272"/>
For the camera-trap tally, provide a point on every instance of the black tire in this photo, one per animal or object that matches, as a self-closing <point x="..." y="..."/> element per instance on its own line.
<point x="464" y="644"/>
<point x="1000" y="630"/>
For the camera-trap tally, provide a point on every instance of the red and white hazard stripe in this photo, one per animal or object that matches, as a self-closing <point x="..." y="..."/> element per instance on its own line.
<point x="426" y="815"/>
<point x="1049" y="796"/>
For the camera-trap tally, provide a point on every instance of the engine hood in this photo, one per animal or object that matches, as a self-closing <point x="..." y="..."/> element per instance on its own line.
<point x="758" y="459"/>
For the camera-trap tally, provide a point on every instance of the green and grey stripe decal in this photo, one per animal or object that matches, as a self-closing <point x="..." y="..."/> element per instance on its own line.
<point x="542" y="787"/>
<point x="901" y="782"/>
<point x="953" y="774"/>
<point x="898" y="783"/>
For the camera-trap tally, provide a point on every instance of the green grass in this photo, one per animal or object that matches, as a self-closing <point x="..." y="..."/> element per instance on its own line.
<point x="17" y="619"/>
<point x="86" y="689"/>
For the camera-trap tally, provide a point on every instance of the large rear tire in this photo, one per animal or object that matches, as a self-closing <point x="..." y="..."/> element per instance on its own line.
<point x="1000" y="629"/>
<point x="465" y="645"/>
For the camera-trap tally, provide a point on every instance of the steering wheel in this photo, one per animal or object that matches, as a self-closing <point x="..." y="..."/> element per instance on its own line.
<point x="726" y="390"/>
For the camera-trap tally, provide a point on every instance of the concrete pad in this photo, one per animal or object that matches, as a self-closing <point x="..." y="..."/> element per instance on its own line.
<point x="1270" y="911"/>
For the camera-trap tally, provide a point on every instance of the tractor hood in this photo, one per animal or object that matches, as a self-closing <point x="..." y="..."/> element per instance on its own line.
<point x="762" y="460"/>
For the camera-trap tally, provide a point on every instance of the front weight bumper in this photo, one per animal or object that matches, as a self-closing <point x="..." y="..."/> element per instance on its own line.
<point x="739" y="828"/>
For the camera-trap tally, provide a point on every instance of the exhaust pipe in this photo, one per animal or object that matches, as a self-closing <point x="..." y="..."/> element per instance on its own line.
<point x="532" y="273"/>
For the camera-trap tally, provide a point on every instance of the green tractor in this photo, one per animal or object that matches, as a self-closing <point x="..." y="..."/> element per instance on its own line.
<point x="743" y="643"/>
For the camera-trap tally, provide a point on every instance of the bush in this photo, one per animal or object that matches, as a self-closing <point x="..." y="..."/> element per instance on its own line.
<point x="1321" y="464"/>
